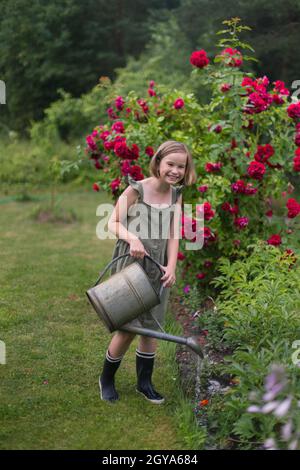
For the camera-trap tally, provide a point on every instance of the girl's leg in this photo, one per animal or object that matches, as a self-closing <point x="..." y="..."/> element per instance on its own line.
<point x="147" y="344"/>
<point x="120" y="343"/>
<point x="145" y="355"/>
<point x="114" y="355"/>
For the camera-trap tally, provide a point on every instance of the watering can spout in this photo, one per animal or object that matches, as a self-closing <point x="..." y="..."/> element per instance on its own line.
<point x="191" y="342"/>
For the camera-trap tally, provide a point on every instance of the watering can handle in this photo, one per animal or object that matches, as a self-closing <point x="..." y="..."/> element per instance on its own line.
<point x="123" y="256"/>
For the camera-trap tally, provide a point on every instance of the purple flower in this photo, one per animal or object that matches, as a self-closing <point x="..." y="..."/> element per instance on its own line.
<point x="270" y="444"/>
<point x="187" y="289"/>
<point x="283" y="408"/>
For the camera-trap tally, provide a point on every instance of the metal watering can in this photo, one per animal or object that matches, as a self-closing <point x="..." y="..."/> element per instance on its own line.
<point x="126" y="295"/>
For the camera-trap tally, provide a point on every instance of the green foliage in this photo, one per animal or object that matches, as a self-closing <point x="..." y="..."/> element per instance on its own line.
<point x="257" y="318"/>
<point x="65" y="45"/>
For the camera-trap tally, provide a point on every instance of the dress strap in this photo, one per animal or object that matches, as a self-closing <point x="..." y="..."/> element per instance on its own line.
<point x="177" y="190"/>
<point x="135" y="185"/>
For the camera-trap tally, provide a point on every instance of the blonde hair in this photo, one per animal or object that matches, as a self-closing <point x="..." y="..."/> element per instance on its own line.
<point x="172" y="146"/>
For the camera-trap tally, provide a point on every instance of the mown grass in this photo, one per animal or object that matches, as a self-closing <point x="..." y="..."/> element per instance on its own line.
<point x="55" y="344"/>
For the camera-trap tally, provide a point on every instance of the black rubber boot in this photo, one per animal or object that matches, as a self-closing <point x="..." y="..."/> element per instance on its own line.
<point x="144" y="369"/>
<point x="107" y="378"/>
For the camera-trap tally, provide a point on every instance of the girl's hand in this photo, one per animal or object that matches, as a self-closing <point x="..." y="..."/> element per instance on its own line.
<point x="169" y="277"/>
<point x="137" y="249"/>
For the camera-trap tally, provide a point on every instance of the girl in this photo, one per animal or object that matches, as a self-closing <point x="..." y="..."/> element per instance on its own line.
<point x="171" y="165"/>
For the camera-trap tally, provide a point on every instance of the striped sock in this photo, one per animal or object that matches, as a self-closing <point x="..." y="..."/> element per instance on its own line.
<point x="113" y="359"/>
<point x="145" y="355"/>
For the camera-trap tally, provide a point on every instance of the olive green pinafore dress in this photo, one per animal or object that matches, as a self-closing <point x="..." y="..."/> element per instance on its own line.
<point x="156" y="220"/>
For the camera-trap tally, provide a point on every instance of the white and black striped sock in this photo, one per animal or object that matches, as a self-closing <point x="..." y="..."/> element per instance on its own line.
<point x="145" y="355"/>
<point x="113" y="359"/>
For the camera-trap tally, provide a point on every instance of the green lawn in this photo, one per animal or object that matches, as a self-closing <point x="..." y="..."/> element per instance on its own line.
<point x="55" y="343"/>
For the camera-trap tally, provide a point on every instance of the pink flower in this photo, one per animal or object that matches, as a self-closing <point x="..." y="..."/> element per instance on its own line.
<point x="104" y="135"/>
<point x="199" y="59"/>
<point x="294" y="110"/>
<point x="238" y="187"/>
<point x="256" y="170"/>
<point x="111" y="113"/>
<point x="180" y="256"/>
<point x="90" y="142"/>
<point x="118" y="126"/>
<point x="250" y="190"/>
<point x="151" y="92"/>
<point x="179" y="103"/>
<point x="187" y="289"/>
<point x="208" y="212"/>
<point x="232" y="57"/>
<point x="119" y="103"/>
<point x="143" y="105"/>
<point x="241" y="222"/>
<point x="269" y="213"/>
<point x="236" y="242"/>
<point x="151" y="84"/>
<point x="280" y="88"/>
<point x="200" y="275"/>
<point x="203" y="189"/>
<point x="274" y="240"/>
<point x="115" y="185"/>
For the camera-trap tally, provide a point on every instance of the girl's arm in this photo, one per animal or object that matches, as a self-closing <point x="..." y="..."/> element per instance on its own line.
<point x="119" y="214"/>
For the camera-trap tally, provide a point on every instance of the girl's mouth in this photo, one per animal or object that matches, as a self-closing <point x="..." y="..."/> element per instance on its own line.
<point x="172" y="177"/>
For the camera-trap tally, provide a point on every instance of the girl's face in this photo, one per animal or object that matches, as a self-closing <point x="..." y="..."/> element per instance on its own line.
<point x="172" y="167"/>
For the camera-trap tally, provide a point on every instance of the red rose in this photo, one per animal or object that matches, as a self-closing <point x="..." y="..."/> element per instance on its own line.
<point x="296" y="161"/>
<point x="211" y="167"/>
<point x="149" y="151"/>
<point x="119" y="103"/>
<point x="232" y="57"/>
<point x="180" y="256"/>
<point x="293" y="208"/>
<point x="225" y="87"/>
<point x="241" y="222"/>
<point x="238" y="187"/>
<point x="120" y="149"/>
<point x="294" y="110"/>
<point x="199" y="59"/>
<point x="200" y="275"/>
<point x="203" y="189"/>
<point x="179" y="103"/>
<point x="115" y="185"/>
<point x="274" y="240"/>
<point x="118" y="126"/>
<point x="256" y="170"/>
<point x="96" y="187"/>
<point x="151" y="92"/>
